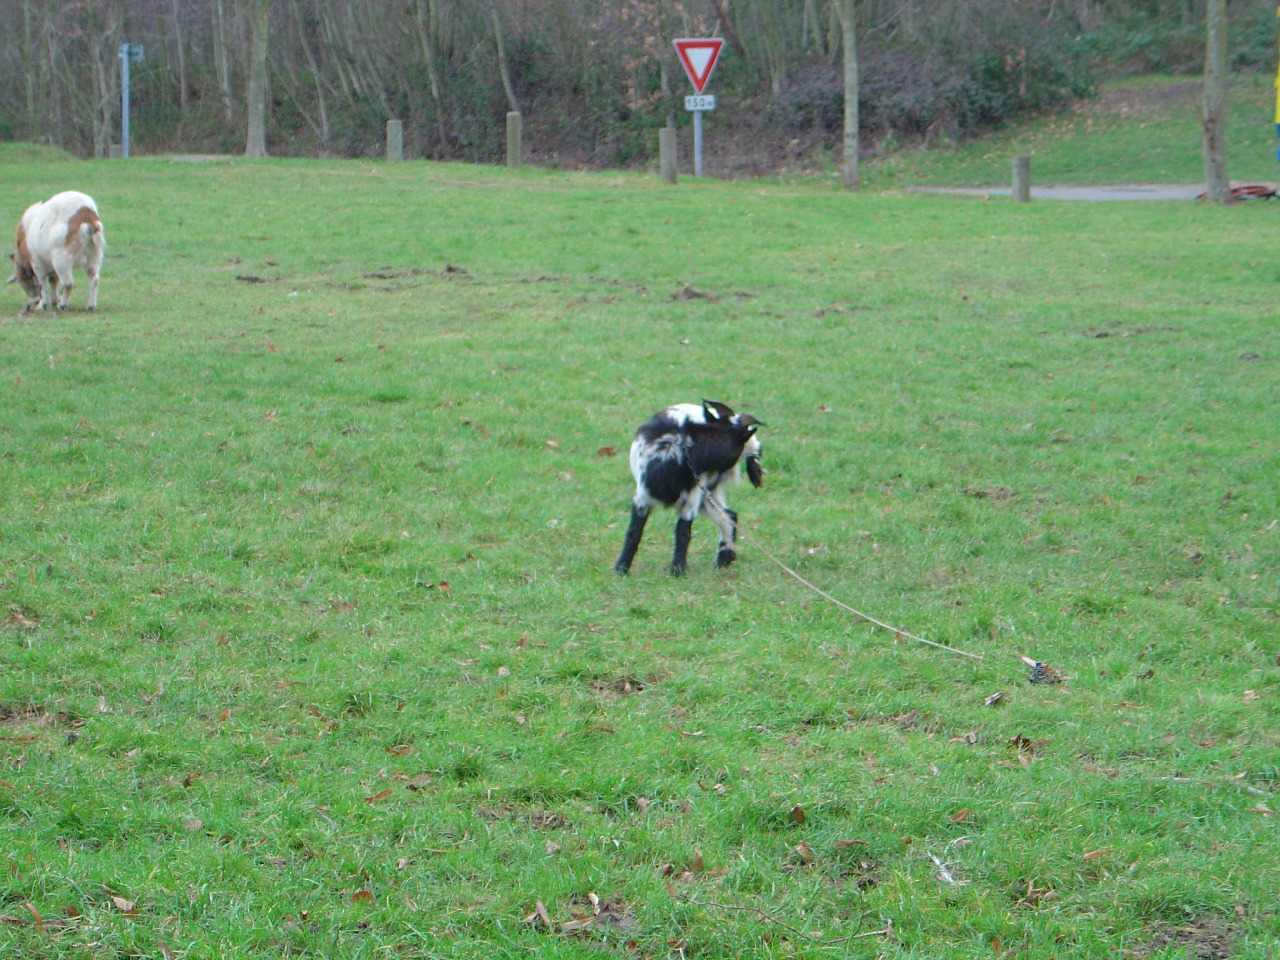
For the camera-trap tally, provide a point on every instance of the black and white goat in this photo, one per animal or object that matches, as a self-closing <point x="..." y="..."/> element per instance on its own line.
<point x="683" y="457"/>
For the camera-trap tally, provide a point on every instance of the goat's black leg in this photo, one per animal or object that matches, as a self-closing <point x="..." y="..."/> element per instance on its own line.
<point x="726" y="555"/>
<point x="684" y="530"/>
<point x="634" y="532"/>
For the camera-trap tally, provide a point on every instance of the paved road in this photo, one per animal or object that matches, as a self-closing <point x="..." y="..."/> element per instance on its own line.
<point x="1149" y="191"/>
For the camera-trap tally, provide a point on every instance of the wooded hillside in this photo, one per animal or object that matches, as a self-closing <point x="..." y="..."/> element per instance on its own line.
<point x="593" y="80"/>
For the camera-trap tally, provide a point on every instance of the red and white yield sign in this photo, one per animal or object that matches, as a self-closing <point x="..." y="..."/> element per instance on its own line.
<point x="698" y="57"/>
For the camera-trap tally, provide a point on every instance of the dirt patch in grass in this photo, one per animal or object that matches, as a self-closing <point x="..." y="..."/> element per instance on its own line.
<point x="1207" y="938"/>
<point x="30" y="715"/>
<point x="617" y="687"/>
<point x="538" y="819"/>
<point x="994" y="492"/>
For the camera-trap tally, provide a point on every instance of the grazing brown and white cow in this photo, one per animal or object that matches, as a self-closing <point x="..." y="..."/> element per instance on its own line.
<point x="53" y="237"/>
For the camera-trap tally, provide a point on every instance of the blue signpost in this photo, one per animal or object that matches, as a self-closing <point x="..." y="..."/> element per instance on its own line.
<point x="129" y="53"/>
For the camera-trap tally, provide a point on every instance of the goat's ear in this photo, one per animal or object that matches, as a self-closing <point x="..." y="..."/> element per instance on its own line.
<point x="715" y="410"/>
<point x="747" y="420"/>
<point x="11" y="279"/>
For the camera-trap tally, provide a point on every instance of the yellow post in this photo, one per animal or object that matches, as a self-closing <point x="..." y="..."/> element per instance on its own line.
<point x="1278" y="96"/>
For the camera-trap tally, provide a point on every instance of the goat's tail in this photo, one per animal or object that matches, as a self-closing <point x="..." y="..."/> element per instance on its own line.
<point x="93" y="233"/>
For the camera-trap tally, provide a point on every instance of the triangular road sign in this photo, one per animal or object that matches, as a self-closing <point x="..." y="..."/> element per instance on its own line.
<point x="698" y="57"/>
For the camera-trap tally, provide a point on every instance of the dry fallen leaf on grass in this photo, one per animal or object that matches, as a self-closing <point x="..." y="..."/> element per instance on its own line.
<point x="35" y="916"/>
<point x="798" y="814"/>
<point x="540" y="911"/>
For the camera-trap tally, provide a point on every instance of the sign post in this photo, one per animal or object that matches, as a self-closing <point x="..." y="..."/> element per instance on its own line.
<point x="129" y="53"/>
<point x="698" y="57"/>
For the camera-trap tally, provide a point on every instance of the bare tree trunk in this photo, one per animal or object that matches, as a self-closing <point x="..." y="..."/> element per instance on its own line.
<point x="102" y="116"/>
<point x="256" y="101"/>
<point x="848" y="33"/>
<point x="1216" y="75"/>
<point x="28" y="68"/>
<point x="730" y="34"/>
<point x="221" y="60"/>
<point x="321" y="104"/>
<point x="665" y="78"/>
<point x="53" y="110"/>
<point x="433" y="74"/>
<point x="502" y="63"/>
<point x="182" y="60"/>
<point x="813" y="24"/>
<point x="833" y="28"/>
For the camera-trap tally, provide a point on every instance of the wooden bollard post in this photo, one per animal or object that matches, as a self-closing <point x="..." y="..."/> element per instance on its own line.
<point x="1022" y="179"/>
<point x="395" y="139"/>
<point x="515" y="130"/>
<point x="667" y="153"/>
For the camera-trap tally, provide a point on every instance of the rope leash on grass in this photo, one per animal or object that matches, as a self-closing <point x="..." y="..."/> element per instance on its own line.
<point x="896" y="631"/>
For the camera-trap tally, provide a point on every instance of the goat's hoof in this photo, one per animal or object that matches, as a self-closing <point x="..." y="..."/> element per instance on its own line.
<point x="677" y="570"/>
<point x="725" y="557"/>
<point x="621" y="569"/>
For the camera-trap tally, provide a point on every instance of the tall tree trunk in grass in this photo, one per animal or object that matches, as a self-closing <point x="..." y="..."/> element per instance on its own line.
<point x="259" y="25"/>
<point x="848" y="33"/>
<point x="1216" y="75"/>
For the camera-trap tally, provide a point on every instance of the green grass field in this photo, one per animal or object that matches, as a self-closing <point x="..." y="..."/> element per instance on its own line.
<point x="310" y="646"/>
<point x="1142" y="130"/>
